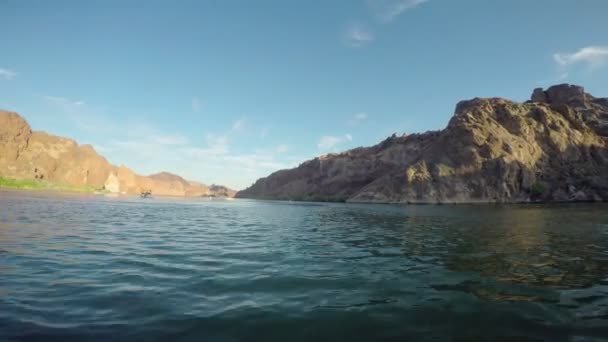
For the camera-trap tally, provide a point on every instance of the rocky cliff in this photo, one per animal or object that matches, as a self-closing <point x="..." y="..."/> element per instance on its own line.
<point x="552" y="148"/>
<point x="27" y="154"/>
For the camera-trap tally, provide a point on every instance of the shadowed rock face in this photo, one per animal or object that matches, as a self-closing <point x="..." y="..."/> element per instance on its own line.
<point x="27" y="154"/>
<point x="553" y="148"/>
<point x="221" y="191"/>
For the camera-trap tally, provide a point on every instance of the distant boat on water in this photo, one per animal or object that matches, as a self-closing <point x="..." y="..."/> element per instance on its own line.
<point x="146" y="194"/>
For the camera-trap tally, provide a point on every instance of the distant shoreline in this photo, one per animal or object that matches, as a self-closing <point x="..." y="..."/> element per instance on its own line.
<point x="51" y="191"/>
<point x="421" y="203"/>
<point x="132" y="196"/>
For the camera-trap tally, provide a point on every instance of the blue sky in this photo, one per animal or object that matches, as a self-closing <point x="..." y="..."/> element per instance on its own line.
<point x="229" y="91"/>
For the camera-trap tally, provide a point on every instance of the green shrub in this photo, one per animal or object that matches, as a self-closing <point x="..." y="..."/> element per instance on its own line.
<point x="538" y="190"/>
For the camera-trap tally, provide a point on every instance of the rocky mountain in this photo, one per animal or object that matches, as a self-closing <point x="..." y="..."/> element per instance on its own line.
<point x="552" y="148"/>
<point x="27" y="154"/>
<point x="221" y="191"/>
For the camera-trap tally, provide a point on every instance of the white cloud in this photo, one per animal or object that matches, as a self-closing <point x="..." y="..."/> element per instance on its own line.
<point x="64" y="102"/>
<point x="196" y="105"/>
<point x="142" y="141"/>
<point x="360" y="116"/>
<point x="592" y="56"/>
<point x="213" y="162"/>
<point x="170" y="140"/>
<point x="388" y="10"/>
<point x="6" y="74"/>
<point x="238" y="125"/>
<point x="217" y="140"/>
<point x="329" y="142"/>
<point x="357" y="118"/>
<point x="358" y="36"/>
<point x="205" y="152"/>
<point x="282" y="148"/>
<point x="77" y="114"/>
<point x="385" y="11"/>
<point x="148" y="148"/>
<point x="264" y="132"/>
<point x="254" y="161"/>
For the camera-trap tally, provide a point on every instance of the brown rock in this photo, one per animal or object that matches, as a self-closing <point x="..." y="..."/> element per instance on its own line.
<point x="539" y="95"/>
<point x="14" y="135"/>
<point x="37" y="155"/>
<point x="493" y="150"/>
<point x="571" y="95"/>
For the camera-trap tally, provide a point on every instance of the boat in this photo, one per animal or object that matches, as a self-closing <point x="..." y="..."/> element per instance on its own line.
<point x="146" y="194"/>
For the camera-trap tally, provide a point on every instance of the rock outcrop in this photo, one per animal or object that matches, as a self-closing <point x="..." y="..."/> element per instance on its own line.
<point x="221" y="191"/>
<point x="37" y="155"/>
<point x="27" y="154"/>
<point x="552" y="148"/>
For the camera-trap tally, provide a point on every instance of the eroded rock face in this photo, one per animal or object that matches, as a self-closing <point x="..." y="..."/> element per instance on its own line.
<point x="112" y="184"/>
<point x="62" y="160"/>
<point x="14" y="135"/>
<point x="220" y="191"/>
<point x="169" y="183"/>
<point x="594" y="111"/>
<point x="553" y="148"/>
<point x="37" y="155"/>
<point x="25" y="154"/>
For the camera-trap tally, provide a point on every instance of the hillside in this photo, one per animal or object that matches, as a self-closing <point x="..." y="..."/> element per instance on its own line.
<point x="34" y="155"/>
<point x="552" y="148"/>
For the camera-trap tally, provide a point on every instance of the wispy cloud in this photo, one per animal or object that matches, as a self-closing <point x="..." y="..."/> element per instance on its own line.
<point x="146" y="137"/>
<point x="170" y="140"/>
<point x="358" y="36"/>
<point x="388" y="10"/>
<point x="213" y="161"/>
<point x="238" y="125"/>
<point x="196" y="105"/>
<point x="65" y="102"/>
<point x="385" y="11"/>
<point x="282" y="148"/>
<point x="357" y="119"/>
<point x="80" y="116"/>
<point x="264" y="132"/>
<point x="329" y="142"/>
<point x="211" y="157"/>
<point x="218" y="141"/>
<point x="6" y="74"/>
<point x="254" y="161"/>
<point x="205" y="152"/>
<point x="591" y="56"/>
<point x="360" y="116"/>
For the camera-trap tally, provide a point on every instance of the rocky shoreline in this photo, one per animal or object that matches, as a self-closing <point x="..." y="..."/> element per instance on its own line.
<point x="45" y="158"/>
<point x="553" y="148"/>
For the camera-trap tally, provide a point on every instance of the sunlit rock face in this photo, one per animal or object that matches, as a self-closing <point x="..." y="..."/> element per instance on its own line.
<point x="27" y="154"/>
<point x="112" y="184"/>
<point x="552" y="148"/>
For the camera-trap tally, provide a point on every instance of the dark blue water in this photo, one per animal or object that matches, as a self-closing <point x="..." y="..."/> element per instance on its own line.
<point x="94" y="268"/>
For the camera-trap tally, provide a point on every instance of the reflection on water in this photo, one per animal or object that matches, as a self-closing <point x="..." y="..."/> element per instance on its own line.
<point x="125" y="269"/>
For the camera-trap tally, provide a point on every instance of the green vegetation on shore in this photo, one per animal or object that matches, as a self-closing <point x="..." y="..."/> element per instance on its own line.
<point x="31" y="184"/>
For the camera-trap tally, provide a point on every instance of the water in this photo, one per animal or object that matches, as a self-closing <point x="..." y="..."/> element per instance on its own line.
<point x="74" y="268"/>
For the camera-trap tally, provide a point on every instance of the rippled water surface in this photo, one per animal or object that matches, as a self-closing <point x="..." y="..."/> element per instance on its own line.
<point x="94" y="268"/>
